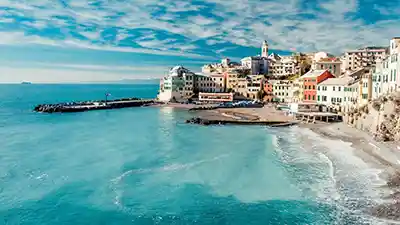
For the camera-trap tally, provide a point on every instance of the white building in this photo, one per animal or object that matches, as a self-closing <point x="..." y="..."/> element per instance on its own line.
<point x="177" y="85"/>
<point x="182" y="84"/>
<point x="364" y="57"/>
<point x="386" y="74"/>
<point x="281" y="65"/>
<point x="282" y="90"/>
<point x="332" y="91"/>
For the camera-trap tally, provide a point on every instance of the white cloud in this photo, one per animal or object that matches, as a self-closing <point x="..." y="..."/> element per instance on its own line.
<point x="246" y="22"/>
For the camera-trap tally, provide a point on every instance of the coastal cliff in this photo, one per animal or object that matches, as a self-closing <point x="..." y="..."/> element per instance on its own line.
<point x="380" y="117"/>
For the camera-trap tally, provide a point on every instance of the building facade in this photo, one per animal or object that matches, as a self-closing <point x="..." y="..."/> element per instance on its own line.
<point x="310" y="81"/>
<point x="364" y="57"/>
<point x="268" y="91"/>
<point x="256" y="64"/>
<point x="281" y="66"/>
<point x="282" y="90"/>
<point x="386" y="74"/>
<point x="179" y="84"/>
<point x="333" y="65"/>
<point x="332" y="91"/>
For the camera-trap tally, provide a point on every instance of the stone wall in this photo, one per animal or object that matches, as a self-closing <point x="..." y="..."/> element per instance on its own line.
<point x="380" y="117"/>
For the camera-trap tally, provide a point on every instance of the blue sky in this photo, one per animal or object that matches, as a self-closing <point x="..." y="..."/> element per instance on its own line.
<point x="102" y="40"/>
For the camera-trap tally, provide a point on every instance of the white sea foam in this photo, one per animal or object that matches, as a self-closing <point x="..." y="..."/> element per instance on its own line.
<point x="167" y="168"/>
<point x="346" y="177"/>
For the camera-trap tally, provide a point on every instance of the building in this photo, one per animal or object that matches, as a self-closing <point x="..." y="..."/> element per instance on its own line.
<point x="297" y="90"/>
<point x="365" y="87"/>
<point x="350" y="97"/>
<point x="216" y="97"/>
<point x="254" y="85"/>
<point x="332" y="91"/>
<point x="219" y="83"/>
<point x="332" y="64"/>
<point x="268" y="91"/>
<point x="303" y="63"/>
<point x="310" y="81"/>
<point x="364" y="57"/>
<point x="281" y="66"/>
<point x="222" y="67"/>
<point x="236" y="82"/>
<point x="257" y="64"/>
<point x="386" y="75"/>
<point x="282" y="90"/>
<point x="179" y="84"/>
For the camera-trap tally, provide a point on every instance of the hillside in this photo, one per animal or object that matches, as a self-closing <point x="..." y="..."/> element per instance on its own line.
<point x="380" y="117"/>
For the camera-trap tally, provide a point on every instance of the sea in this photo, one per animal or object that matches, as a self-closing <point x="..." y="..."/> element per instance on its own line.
<point x="147" y="166"/>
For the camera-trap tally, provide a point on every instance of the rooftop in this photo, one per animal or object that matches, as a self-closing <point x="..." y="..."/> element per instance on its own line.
<point x="313" y="73"/>
<point x="337" y="81"/>
<point x="253" y="58"/>
<point x="330" y="59"/>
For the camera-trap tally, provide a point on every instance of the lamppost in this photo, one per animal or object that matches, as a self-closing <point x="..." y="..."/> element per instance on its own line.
<point x="107" y="94"/>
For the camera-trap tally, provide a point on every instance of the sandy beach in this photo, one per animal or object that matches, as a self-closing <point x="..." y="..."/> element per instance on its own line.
<point x="385" y="156"/>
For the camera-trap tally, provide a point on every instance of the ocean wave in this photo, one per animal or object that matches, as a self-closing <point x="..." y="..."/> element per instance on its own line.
<point x="330" y="169"/>
<point x="167" y="168"/>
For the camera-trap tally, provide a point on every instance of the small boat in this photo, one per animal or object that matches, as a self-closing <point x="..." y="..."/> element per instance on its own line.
<point x="25" y="82"/>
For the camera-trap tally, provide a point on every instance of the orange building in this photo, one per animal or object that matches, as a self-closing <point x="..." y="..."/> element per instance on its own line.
<point x="310" y="82"/>
<point x="269" y="91"/>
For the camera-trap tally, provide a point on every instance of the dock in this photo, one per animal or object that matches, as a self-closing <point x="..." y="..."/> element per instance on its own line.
<point x="313" y="117"/>
<point x="92" y="105"/>
<point x="201" y="121"/>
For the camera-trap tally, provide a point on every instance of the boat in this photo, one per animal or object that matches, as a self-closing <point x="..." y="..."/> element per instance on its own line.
<point x="25" y="82"/>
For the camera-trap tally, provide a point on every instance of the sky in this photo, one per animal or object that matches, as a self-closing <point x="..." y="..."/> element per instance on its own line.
<point x="56" y="41"/>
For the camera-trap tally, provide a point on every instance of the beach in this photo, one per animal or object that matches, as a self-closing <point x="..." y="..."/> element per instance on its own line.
<point x="384" y="157"/>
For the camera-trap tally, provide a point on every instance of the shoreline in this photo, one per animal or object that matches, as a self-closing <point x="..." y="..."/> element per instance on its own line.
<point x="378" y="155"/>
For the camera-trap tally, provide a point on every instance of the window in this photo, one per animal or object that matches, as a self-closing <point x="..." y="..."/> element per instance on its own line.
<point x="318" y="88"/>
<point x="319" y="98"/>
<point x="313" y="87"/>
<point x="324" y="98"/>
<point x="332" y="99"/>
<point x="313" y="97"/>
<point x="309" y="97"/>
<point x="333" y="88"/>
<point x="364" y="96"/>
<point x="344" y="99"/>
<point x="339" y="88"/>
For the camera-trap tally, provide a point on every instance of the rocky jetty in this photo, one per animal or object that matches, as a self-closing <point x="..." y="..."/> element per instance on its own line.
<point x="202" y="121"/>
<point x="380" y="117"/>
<point x="92" y="105"/>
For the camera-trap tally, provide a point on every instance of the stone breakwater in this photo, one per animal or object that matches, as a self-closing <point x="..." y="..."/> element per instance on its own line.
<point x="203" y="121"/>
<point x="92" y="105"/>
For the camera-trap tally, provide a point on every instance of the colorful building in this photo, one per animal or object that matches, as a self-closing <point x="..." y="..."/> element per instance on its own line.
<point x="331" y="64"/>
<point x="268" y="91"/>
<point x="310" y="82"/>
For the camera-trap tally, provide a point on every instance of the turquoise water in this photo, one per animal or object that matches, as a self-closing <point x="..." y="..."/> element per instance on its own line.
<point x="146" y="166"/>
